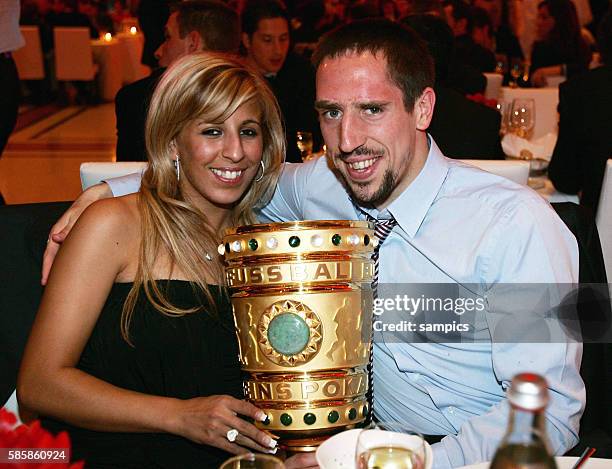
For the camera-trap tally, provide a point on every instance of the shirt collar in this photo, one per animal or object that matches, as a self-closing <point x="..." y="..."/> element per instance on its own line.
<point x="412" y="205"/>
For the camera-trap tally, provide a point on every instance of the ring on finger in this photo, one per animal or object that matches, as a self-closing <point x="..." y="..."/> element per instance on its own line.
<point x="232" y="434"/>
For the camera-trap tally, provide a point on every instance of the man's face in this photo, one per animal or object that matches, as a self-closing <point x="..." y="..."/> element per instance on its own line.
<point x="545" y="23"/>
<point x="368" y="132"/>
<point x="173" y="48"/>
<point x="268" y="46"/>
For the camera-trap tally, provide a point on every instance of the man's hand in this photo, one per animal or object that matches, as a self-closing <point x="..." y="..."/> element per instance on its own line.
<point x="62" y="227"/>
<point x="302" y="461"/>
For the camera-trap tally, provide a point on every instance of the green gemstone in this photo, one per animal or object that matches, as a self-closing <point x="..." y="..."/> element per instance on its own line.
<point x="352" y="414"/>
<point x="267" y="420"/>
<point x="294" y="241"/>
<point x="227" y="247"/>
<point x="253" y="244"/>
<point x="366" y="240"/>
<point x="336" y="239"/>
<point x="333" y="416"/>
<point x="309" y="418"/>
<point x="288" y="333"/>
<point x="364" y="411"/>
<point x="286" y="419"/>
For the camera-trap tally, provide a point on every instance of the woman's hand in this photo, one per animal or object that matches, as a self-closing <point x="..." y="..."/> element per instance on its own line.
<point x="206" y="420"/>
<point x="302" y="461"/>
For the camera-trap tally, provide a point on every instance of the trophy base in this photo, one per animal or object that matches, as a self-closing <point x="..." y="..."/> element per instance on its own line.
<point x="309" y="443"/>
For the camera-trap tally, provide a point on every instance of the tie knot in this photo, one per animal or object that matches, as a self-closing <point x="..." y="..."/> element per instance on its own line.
<point x="383" y="227"/>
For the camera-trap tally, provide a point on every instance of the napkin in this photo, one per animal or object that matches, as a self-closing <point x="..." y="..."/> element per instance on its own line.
<point x="541" y="148"/>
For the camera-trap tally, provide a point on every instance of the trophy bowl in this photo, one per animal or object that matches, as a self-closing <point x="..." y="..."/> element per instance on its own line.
<point x="302" y="301"/>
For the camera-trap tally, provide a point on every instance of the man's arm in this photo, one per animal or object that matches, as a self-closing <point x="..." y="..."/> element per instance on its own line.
<point x="111" y="188"/>
<point x="531" y="248"/>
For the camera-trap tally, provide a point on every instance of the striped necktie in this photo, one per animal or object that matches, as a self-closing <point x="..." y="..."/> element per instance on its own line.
<point x="382" y="229"/>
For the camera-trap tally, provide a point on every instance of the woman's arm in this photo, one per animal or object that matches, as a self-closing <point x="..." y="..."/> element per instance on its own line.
<point x="100" y="248"/>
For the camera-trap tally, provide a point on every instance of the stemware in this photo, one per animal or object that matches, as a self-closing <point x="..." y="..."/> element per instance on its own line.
<point x="304" y="144"/>
<point x="522" y="117"/>
<point x="390" y="445"/>
<point x="253" y="461"/>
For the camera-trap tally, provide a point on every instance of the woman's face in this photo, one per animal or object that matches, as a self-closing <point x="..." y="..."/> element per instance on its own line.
<point x="219" y="160"/>
<point x="545" y="23"/>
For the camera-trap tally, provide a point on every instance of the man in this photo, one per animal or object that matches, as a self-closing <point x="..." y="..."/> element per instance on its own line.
<point x="193" y="26"/>
<point x="448" y="223"/>
<point x="266" y="39"/>
<point x="476" y="134"/>
<point x="585" y="117"/>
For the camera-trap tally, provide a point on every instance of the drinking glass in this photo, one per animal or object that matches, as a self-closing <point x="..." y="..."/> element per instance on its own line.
<point x="504" y="108"/>
<point x="390" y="446"/>
<point x="253" y="461"/>
<point x="522" y="117"/>
<point x="304" y="144"/>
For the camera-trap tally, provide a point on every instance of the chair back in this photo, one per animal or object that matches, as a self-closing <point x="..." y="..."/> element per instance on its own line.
<point x="604" y="218"/>
<point x="94" y="173"/>
<point x="517" y="171"/>
<point x="73" y="56"/>
<point x="546" y="101"/>
<point x="29" y="59"/>
<point x="494" y="84"/>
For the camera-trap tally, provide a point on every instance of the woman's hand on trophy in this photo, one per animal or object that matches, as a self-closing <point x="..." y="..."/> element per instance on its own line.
<point x="216" y="421"/>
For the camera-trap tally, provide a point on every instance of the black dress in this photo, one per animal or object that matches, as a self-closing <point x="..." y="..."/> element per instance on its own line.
<point x="182" y="357"/>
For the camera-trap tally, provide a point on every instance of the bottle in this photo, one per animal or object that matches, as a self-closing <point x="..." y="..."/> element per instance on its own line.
<point x="525" y="445"/>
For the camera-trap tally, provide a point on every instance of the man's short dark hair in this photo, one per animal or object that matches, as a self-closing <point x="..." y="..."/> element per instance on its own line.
<point x="409" y="64"/>
<point x="256" y="10"/>
<point x="216" y="23"/>
<point x="462" y="11"/>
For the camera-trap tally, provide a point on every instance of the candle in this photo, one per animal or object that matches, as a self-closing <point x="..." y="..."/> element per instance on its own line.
<point x="108" y="37"/>
<point x="133" y="30"/>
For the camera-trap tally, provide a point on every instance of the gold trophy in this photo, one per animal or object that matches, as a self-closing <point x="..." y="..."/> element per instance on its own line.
<point x="302" y="300"/>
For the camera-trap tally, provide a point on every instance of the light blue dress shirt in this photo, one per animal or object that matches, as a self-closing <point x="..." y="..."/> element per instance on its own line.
<point x="456" y="224"/>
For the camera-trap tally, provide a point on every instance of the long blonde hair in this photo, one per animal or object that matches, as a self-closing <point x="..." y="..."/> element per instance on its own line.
<point x="211" y="87"/>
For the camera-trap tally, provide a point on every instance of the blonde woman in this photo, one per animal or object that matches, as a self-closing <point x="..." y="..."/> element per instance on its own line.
<point x="133" y="350"/>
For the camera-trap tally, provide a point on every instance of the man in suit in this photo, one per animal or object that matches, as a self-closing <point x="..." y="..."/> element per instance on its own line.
<point x="266" y="39"/>
<point x="461" y="128"/>
<point x="585" y="119"/>
<point x="193" y="26"/>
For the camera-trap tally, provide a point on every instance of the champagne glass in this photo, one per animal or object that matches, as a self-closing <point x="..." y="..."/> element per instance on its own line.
<point x="253" y="461"/>
<point x="522" y="117"/>
<point x="389" y="445"/>
<point x="304" y="144"/>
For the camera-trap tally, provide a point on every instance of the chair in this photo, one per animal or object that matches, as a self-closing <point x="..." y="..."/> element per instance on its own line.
<point x="546" y="102"/>
<point x="604" y="217"/>
<point x="73" y="56"/>
<point x="29" y="59"/>
<point x="517" y="171"/>
<point x="94" y="173"/>
<point x="494" y="84"/>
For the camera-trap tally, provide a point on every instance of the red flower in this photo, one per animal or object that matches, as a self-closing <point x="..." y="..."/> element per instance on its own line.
<point x="31" y="438"/>
<point x="479" y="98"/>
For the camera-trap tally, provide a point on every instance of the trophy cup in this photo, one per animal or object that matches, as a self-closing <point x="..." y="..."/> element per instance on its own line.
<point x="302" y="300"/>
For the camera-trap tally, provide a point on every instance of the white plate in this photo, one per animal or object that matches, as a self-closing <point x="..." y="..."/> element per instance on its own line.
<point x="338" y="452"/>
<point x="563" y="462"/>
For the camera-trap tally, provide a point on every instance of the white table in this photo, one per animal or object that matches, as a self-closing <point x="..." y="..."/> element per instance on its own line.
<point x="546" y="101"/>
<point x="545" y="188"/>
<point x="119" y="62"/>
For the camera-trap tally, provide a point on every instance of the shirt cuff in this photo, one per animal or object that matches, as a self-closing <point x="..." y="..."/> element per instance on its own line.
<point x="124" y="185"/>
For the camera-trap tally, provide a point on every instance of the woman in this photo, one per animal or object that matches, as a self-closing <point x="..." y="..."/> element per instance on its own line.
<point x="560" y="48"/>
<point x="133" y="349"/>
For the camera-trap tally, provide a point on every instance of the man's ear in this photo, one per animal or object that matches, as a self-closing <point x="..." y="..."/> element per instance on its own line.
<point x="424" y="108"/>
<point x="246" y="41"/>
<point x="195" y="43"/>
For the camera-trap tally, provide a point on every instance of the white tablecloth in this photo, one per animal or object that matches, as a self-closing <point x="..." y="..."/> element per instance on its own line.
<point x="119" y="62"/>
<point x="545" y="188"/>
<point x="546" y="101"/>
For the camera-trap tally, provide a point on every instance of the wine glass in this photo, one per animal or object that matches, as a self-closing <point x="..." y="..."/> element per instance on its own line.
<point x="304" y="144"/>
<point x="504" y="108"/>
<point x="253" y="461"/>
<point x="522" y="117"/>
<point x="390" y="445"/>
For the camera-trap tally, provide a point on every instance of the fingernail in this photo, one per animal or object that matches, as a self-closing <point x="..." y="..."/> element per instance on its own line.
<point x="261" y="416"/>
<point x="272" y="443"/>
<point x="272" y="451"/>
